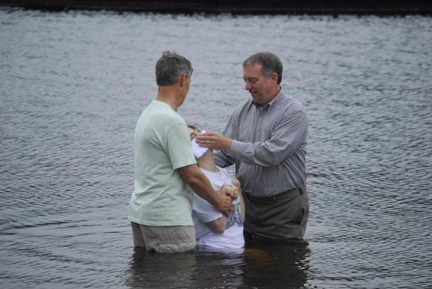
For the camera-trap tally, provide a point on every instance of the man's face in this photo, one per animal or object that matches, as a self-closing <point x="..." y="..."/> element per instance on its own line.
<point x="258" y="86"/>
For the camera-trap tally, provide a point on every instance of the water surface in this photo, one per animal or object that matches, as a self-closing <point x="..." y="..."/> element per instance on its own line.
<point x="74" y="84"/>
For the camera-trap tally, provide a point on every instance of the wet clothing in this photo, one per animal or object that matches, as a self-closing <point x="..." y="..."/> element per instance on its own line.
<point x="204" y="212"/>
<point x="165" y="239"/>
<point x="281" y="217"/>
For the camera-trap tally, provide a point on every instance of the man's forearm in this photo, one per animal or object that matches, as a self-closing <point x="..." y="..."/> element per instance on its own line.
<point x="199" y="183"/>
<point x="202" y="187"/>
<point x="221" y="202"/>
<point x="222" y="158"/>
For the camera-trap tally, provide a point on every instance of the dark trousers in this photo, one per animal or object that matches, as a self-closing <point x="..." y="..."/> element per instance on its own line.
<point x="281" y="217"/>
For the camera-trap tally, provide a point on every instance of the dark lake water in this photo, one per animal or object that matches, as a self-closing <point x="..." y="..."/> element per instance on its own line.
<point x="72" y="86"/>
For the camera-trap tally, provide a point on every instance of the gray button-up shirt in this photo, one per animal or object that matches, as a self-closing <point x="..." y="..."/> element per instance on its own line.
<point x="269" y="145"/>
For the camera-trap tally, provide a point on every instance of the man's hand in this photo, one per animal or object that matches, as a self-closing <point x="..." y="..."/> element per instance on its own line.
<point x="236" y="182"/>
<point x="224" y="204"/>
<point x="232" y="192"/>
<point x="214" y="140"/>
<point x="199" y="183"/>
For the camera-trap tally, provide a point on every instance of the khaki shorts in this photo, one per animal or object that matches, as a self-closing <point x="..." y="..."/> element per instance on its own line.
<point x="161" y="239"/>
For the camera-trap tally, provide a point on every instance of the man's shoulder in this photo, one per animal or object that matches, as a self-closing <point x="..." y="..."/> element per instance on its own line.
<point x="243" y="106"/>
<point x="290" y="103"/>
<point x="175" y="119"/>
<point x="160" y="119"/>
<point x="163" y="114"/>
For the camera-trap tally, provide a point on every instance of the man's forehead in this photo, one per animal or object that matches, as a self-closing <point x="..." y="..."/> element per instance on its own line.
<point x="253" y="66"/>
<point x="253" y="70"/>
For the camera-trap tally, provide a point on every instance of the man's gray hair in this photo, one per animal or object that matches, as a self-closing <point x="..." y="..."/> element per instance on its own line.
<point x="269" y="63"/>
<point x="170" y="67"/>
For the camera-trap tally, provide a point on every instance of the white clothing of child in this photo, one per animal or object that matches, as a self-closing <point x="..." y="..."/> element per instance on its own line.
<point x="203" y="212"/>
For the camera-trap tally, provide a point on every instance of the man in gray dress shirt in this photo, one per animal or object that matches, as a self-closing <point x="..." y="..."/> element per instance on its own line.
<point x="266" y="139"/>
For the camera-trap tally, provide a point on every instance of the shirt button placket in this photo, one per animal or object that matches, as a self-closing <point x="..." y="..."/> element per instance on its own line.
<point x="257" y="127"/>
<point x="259" y="139"/>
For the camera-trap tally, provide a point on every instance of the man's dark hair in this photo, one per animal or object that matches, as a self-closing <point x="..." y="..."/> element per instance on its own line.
<point x="170" y="67"/>
<point x="269" y="63"/>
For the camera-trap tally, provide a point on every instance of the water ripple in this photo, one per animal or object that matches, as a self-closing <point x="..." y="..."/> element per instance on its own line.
<point x="73" y="85"/>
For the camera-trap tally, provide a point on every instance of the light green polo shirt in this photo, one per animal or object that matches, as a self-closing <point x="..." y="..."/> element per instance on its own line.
<point x="161" y="145"/>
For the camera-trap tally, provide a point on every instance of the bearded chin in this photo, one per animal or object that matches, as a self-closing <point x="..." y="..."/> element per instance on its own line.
<point x="256" y="100"/>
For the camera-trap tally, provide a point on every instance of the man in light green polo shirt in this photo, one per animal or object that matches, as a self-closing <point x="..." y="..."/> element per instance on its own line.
<point x="161" y="204"/>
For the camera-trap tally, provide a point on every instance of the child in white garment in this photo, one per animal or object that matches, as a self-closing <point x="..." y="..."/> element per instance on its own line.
<point x="212" y="227"/>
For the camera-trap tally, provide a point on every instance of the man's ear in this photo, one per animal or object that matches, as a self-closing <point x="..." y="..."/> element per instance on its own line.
<point x="183" y="79"/>
<point x="274" y="77"/>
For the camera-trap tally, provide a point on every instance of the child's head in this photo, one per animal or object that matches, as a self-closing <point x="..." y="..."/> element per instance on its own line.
<point x="193" y="131"/>
<point x="197" y="150"/>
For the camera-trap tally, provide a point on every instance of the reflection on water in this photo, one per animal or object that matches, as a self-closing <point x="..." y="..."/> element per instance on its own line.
<point x="73" y="85"/>
<point x="149" y="270"/>
<point x="219" y="268"/>
<point x="281" y="265"/>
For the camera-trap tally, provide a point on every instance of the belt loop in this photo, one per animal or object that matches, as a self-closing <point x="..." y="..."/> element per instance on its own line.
<point x="274" y="199"/>
<point x="301" y="190"/>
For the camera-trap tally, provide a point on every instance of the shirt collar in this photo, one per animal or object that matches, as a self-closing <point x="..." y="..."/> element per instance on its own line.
<point x="277" y="99"/>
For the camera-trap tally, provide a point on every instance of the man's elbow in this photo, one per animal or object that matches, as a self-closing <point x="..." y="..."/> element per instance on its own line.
<point x="268" y="161"/>
<point x="271" y="159"/>
<point x="191" y="180"/>
<point x="190" y="174"/>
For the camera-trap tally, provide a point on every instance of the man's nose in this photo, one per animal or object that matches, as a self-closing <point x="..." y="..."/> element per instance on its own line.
<point x="248" y="86"/>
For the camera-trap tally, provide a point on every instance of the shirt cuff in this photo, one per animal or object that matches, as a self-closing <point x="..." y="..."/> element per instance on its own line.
<point x="237" y="148"/>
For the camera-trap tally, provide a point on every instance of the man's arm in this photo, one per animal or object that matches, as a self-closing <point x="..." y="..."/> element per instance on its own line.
<point x="218" y="226"/>
<point x="287" y="137"/>
<point x="199" y="183"/>
<point x="230" y="191"/>
<point x="223" y="158"/>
